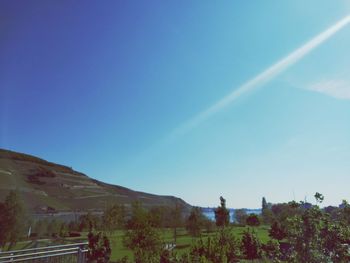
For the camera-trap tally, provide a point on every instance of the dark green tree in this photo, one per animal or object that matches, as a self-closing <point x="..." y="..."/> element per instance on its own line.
<point x="113" y="218"/>
<point x="11" y="220"/>
<point x="3" y="223"/>
<point x="157" y="216"/>
<point x="141" y="237"/>
<point x="195" y="222"/>
<point x="319" y="198"/>
<point x="264" y="205"/>
<point x="89" y="222"/>
<point x="176" y="218"/>
<point x="53" y="228"/>
<point x="277" y="232"/>
<point x="63" y="230"/>
<point x="99" y="248"/>
<point x="241" y="216"/>
<point x="314" y="237"/>
<point x="266" y="213"/>
<point x="222" y="215"/>
<point x="271" y="251"/>
<point x="221" y="247"/>
<point x="250" y="245"/>
<point x="253" y="220"/>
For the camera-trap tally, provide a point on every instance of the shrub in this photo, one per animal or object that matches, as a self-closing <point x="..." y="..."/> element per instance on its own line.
<point x="253" y="220"/>
<point x="99" y="248"/>
<point x="250" y="245"/>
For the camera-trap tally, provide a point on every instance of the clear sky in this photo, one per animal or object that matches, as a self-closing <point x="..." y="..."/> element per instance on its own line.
<point x="152" y="95"/>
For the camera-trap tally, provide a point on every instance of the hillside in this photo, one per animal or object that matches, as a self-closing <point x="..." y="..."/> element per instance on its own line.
<point x="45" y="186"/>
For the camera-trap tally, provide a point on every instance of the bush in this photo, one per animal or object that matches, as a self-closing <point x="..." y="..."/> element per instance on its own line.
<point x="99" y="248"/>
<point x="250" y="246"/>
<point x="276" y="231"/>
<point x="253" y="220"/>
<point x="271" y="250"/>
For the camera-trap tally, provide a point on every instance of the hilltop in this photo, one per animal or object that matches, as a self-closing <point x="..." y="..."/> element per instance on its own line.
<point x="46" y="187"/>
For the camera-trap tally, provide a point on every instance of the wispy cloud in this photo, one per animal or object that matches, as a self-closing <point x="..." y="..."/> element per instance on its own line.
<point x="260" y="79"/>
<point x="337" y="88"/>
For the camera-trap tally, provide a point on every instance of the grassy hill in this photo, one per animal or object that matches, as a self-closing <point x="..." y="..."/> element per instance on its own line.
<point x="44" y="185"/>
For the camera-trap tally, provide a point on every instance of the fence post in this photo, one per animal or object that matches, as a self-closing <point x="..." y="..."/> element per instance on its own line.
<point x="80" y="255"/>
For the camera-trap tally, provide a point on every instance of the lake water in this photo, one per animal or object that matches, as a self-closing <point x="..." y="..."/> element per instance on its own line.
<point x="209" y="213"/>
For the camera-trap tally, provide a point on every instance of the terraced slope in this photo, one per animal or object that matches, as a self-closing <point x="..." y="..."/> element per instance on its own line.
<point x="46" y="186"/>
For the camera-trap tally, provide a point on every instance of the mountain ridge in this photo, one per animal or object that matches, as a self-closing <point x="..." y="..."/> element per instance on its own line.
<point x="46" y="187"/>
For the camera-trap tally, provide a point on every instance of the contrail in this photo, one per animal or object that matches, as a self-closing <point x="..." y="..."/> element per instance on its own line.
<point x="260" y="79"/>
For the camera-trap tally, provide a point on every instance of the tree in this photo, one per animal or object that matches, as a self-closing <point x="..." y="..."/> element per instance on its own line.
<point x="113" y="217"/>
<point x="253" y="220"/>
<point x="3" y="223"/>
<point x="176" y="218"/>
<point x="88" y="222"/>
<point x="264" y="205"/>
<point x="314" y="237"/>
<point x="99" y="248"/>
<point x="222" y="215"/>
<point x="250" y="246"/>
<point x="11" y="219"/>
<point x="195" y="222"/>
<point x="276" y="231"/>
<point x="73" y="226"/>
<point x="208" y="225"/>
<point x="157" y="216"/>
<point x="53" y="228"/>
<point x="241" y="216"/>
<point x="271" y="251"/>
<point x="41" y="228"/>
<point x="319" y="198"/>
<point x="221" y="247"/>
<point x="141" y="237"/>
<point x="63" y="230"/>
<point x="266" y="213"/>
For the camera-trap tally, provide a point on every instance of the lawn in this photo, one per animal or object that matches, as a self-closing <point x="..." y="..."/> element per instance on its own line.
<point x="183" y="242"/>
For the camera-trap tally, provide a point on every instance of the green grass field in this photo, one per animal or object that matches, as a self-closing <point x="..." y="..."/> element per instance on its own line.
<point x="183" y="243"/>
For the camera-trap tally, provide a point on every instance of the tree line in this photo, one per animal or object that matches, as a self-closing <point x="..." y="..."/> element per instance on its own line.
<point x="298" y="231"/>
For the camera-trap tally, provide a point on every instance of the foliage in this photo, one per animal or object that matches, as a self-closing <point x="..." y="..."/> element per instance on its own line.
<point x="276" y="231"/>
<point x="141" y="237"/>
<point x="250" y="246"/>
<point x="157" y="216"/>
<point x="53" y="228"/>
<point x="281" y="212"/>
<point x="241" y="216"/>
<point x="222" y="247"/>
<point x="88" y="222"/>
<point x="263" y="204"/>
<point x="271" y="250"/>
<point x="253" y="220"/>
<point x="319" y="197"/>
<point x="113" y="218"/>
<point x="266" y="213"/>
<point x="63" y="232"/>
<point x="99" y="248"/>
<point x="176" y="218"/>
<point x="195" y="222"/>
<point x="222" y="215"/>
<point x="208" y="225"/>
<point x="11" y="219"/>
<point x="314" y="237"/>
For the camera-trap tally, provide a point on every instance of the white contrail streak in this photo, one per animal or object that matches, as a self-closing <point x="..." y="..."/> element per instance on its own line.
<point x="262" y="78"/>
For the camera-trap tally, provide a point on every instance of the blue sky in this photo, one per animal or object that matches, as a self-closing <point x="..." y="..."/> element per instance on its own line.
<point x="106" y="88"/>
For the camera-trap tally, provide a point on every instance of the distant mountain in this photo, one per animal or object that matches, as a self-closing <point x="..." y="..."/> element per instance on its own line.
<point x="46" y="187"/>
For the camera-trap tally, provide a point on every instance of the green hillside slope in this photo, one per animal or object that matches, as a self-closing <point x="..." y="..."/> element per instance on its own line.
<point x="44" y="185"/>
